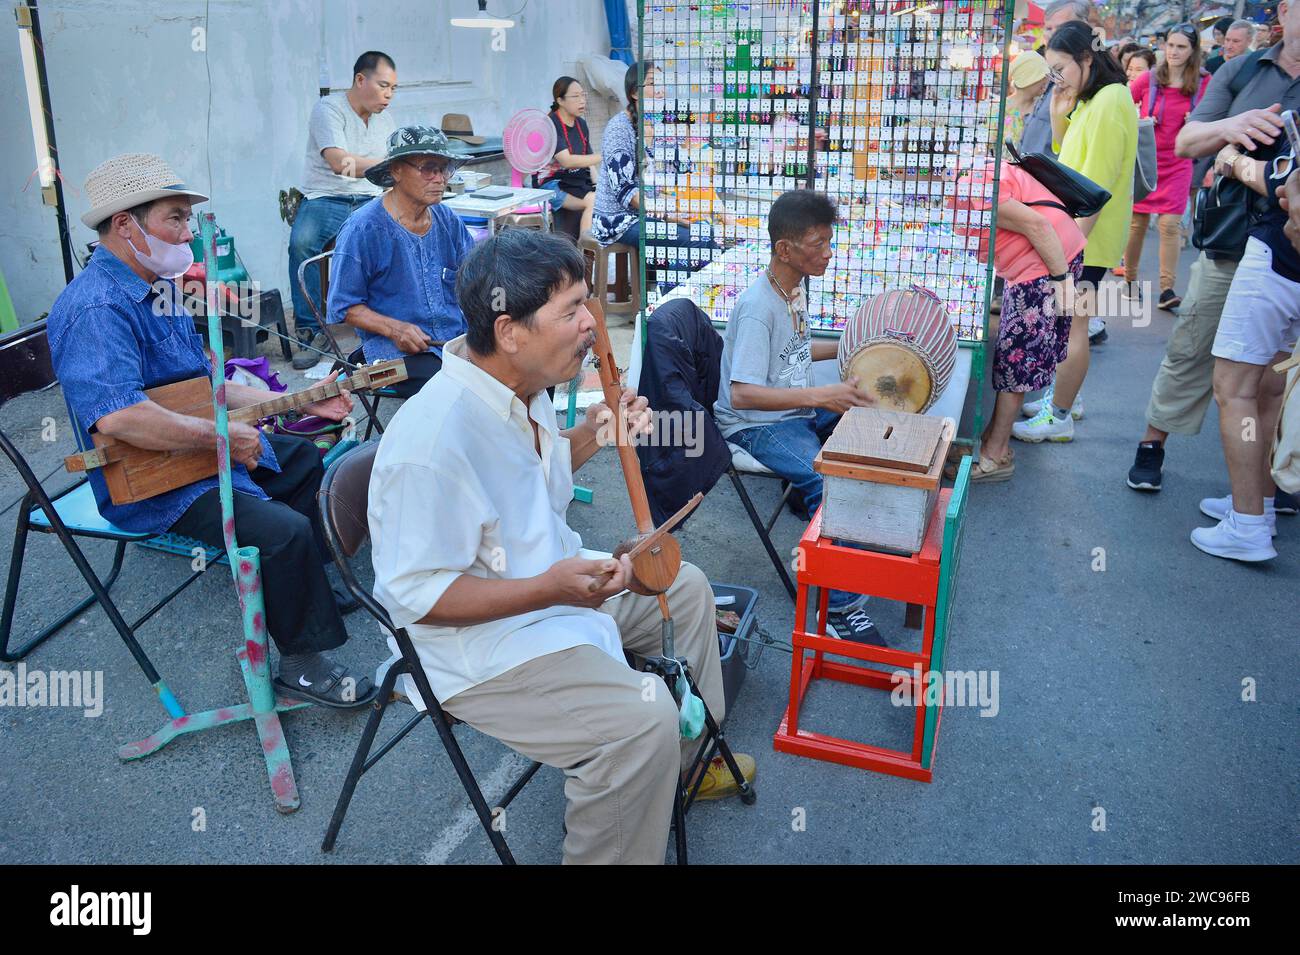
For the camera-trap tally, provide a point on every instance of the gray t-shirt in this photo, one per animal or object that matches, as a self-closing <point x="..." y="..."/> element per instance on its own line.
<point x="335" y="124"/>
<point x="762" y="347"/>
<point x="1270" y="84"/>
<point x="1037" y="136"/>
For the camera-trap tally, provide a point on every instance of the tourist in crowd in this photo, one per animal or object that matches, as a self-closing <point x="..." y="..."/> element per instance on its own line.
<point x="1037" y="137"/>
<point x="1039" y="254"/>
<point x="1241" y="107"/>
<point x="1168" y="94"/>
<point x="1238" y="40"/>
<point x="1026" y="84"/>
<point x="1139" y="61"/>
<point x="1095" y="125"/>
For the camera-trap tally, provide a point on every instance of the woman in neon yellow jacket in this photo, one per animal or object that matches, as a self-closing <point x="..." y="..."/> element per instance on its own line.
<point x="1094" y="128"/>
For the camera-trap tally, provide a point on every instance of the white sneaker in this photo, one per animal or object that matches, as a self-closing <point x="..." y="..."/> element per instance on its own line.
<point x="1234" y="540"/>
<point x="1218" y="507"/>
<point x="1032" y="408"/>
<point x="1044" y="426"/>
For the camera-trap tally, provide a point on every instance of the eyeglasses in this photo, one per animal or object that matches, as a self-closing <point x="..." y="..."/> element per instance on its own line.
<point x="430" y="168"/>
<point x="575" y="96"/>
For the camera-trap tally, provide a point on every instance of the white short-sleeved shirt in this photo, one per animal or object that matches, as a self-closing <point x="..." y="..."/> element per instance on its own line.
<point x="335" y="124"/>
<point x="458" y="488"/>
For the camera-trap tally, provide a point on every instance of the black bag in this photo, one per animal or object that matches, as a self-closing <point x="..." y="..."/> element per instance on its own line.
<point x="1221" y="219"/>
<point x="1079" y="195"/>
<point x="1222" y="213"/>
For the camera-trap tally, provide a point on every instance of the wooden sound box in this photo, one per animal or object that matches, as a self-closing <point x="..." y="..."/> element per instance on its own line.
<point x="881" y="472"/>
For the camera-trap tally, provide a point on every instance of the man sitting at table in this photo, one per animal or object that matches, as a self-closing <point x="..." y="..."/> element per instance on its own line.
<point x="119" y="329"/>
<point x="767" y="403"/>
<point x="393" y="275"/>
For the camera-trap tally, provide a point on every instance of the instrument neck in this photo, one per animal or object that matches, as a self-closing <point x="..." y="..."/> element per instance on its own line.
<point x="288" y="402"/>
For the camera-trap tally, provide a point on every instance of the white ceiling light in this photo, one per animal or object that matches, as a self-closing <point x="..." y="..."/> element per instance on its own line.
<point x="483" y="20"/>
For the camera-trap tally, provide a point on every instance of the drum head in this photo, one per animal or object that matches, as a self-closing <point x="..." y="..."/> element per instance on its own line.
<point x="893" y="375"/>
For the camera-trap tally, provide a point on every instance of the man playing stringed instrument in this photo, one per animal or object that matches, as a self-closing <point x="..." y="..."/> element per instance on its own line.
<point x="521" y="632"/>
<point x="118" y="329"/>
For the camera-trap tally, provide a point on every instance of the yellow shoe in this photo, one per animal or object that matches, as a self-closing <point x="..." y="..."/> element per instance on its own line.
<point x="719" y="783"/>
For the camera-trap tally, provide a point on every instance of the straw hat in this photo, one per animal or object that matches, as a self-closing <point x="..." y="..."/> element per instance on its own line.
<point x="1027" y="69"/>
<point x="416" y="141"/>
<point x="129" y="180"/>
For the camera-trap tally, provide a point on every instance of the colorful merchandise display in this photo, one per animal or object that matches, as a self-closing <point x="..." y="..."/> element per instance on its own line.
<point x="879" y="104"/>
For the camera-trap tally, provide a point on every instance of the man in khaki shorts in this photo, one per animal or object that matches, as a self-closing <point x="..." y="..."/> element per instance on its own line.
<point x="472" y="553"/>
<point x="1242" y="105"/>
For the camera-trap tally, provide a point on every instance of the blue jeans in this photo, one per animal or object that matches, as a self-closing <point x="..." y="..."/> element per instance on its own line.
<point x="788" y="448"/>
<point x="318" y="221"/>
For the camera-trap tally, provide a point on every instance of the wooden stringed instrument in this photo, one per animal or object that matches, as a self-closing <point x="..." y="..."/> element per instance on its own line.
<point x="655" y="554"/>
<point x="137" y="474"/>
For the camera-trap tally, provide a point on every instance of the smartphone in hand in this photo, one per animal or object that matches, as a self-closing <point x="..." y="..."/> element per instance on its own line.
<point x="1292" y="133"/>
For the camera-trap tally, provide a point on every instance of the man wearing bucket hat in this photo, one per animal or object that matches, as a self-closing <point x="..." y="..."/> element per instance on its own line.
<point x="393" y="275"/>
<point x="118" y="329"/>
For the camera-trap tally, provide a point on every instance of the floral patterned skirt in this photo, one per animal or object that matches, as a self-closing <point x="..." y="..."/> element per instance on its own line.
<point x="1032" y="337"/>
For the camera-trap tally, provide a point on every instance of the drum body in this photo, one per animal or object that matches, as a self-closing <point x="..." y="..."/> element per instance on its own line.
<point x="901" y="346"/>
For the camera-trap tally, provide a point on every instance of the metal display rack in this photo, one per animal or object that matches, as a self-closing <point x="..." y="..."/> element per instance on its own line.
<point x="881" y="104"/>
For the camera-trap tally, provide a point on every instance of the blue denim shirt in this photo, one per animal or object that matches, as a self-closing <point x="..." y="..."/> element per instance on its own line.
<point x="412" y="278"/>
<point x="112" y="336"/>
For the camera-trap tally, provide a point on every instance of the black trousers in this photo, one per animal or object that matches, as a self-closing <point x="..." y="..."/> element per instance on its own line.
<point x="419" y="369"/>
<point x="301" y="616"/>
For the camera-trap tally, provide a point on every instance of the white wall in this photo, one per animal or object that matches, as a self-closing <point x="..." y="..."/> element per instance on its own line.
<point x="125" y="77"/>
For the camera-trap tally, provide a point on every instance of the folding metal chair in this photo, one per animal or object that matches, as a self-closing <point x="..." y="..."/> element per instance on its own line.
<point x="343" y="500"/>
<point x="370" y="402"/>
<point x="742" y="462"/>
<point x="69" y="514"/>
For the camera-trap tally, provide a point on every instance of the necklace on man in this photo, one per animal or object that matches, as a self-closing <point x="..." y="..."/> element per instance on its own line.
<point x="798" y="317"/>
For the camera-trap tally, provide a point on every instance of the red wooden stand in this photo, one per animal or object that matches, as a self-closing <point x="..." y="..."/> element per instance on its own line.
<point x="923" y="579"/>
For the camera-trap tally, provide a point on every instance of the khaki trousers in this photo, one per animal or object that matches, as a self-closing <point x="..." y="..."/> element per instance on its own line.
<point x="1184" y="385"/>
<point x="1171" y="242"/>
<point x="611" y="729"/>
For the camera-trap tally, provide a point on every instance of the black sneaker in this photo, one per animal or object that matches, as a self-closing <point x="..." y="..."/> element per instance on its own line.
<point x="1169" y="300"/>
<point x="1284" y="503"/>
<point x="854" y="625"/>
<point x="1145" y="473"/>
<point x="311" y="343"/>
<point x="1096" y="331"/>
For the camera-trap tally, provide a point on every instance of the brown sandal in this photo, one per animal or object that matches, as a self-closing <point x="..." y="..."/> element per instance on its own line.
<point x="989" y="471"/>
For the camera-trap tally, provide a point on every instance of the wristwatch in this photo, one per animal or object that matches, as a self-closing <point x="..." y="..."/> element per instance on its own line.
<point x="1057" y="278"/>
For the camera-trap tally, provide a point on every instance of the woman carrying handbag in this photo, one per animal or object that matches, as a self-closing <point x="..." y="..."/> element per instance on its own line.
<point x="1166" y="95"/>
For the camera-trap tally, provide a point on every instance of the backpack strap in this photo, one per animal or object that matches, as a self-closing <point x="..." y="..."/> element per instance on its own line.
<point x="1200" y="90"/>
<point x="1246" y="73"/>
<point x="1151" y="92"/>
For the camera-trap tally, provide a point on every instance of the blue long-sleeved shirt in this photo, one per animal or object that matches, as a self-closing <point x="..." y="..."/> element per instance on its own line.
<point x="380" y="264"/>
<point x="112" y="335"/>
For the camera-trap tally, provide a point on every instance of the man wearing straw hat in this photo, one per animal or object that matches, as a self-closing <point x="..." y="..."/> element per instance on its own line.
<point x="118" y="329"/>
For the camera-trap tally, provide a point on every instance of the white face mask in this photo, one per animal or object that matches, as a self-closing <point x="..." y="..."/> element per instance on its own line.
<point x="163" y="259"/>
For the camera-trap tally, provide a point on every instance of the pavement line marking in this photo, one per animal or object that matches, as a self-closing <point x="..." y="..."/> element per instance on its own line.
<point x="494" y="786"/>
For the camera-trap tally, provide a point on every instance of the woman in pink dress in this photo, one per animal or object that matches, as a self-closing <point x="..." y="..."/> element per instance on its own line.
<point x="1167" y="93"/>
